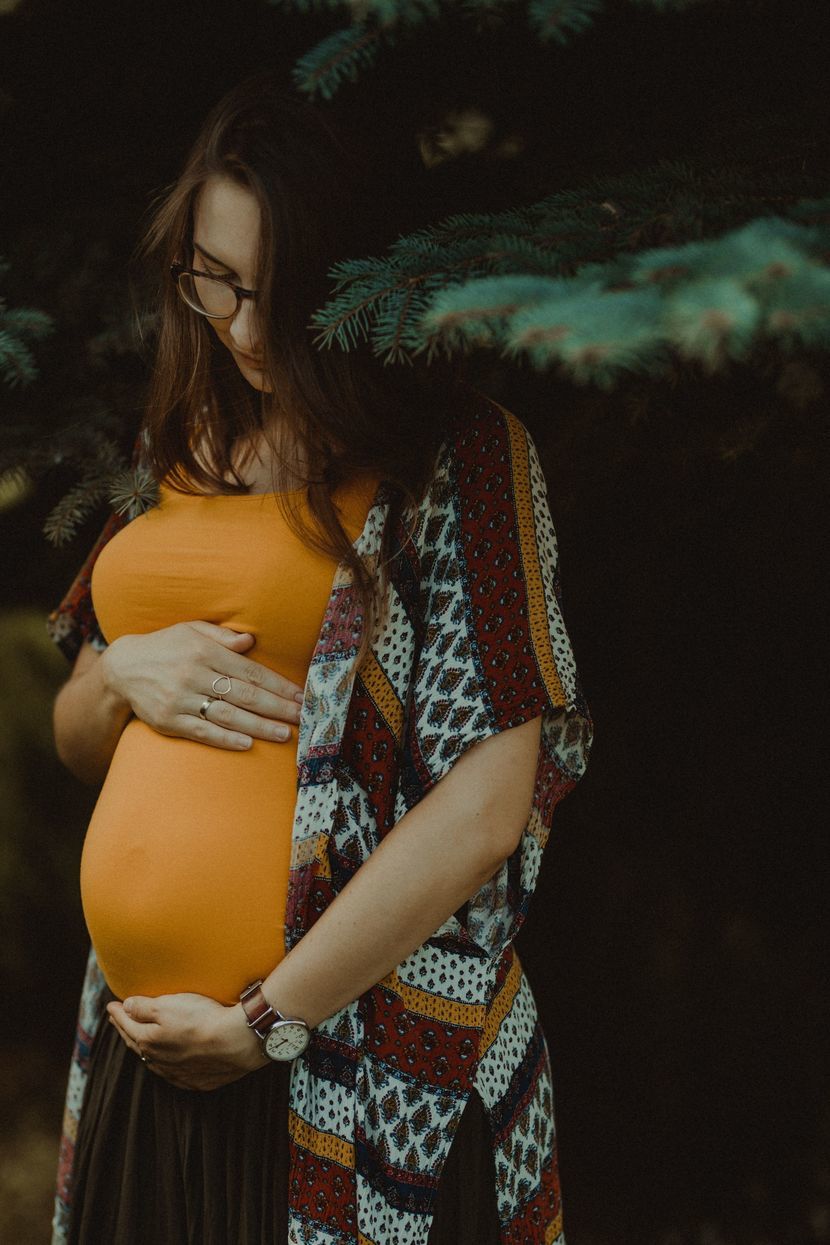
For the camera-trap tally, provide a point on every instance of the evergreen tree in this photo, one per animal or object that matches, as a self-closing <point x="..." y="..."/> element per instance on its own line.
<point x="685" y="264"/>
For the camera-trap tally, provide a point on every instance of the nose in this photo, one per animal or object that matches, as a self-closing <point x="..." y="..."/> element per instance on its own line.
<point x="243" y="330"/>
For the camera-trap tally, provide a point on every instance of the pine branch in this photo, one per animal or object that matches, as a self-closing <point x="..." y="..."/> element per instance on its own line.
<point x="556" y="20"/>
<point x="133" y="491"/>
<point x="17" y="363"/>
<point x="511" y="280"/>
<point x="17" y="325"/>
<point x="710" y="302"/>
<point x="28" y="322"/>
<point x="74" y="507"/>
<point x="101" y="463"/>
<point x="336" y="59"/>
<point x="343" y="54"/>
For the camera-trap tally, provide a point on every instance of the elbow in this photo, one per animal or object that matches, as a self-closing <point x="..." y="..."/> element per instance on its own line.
<point x="70" y="757"/>
<point x="79" y="768"/>
<point x="491" y="789"/>
<point x="498" y="827"/>
<point x="512" y="836"/>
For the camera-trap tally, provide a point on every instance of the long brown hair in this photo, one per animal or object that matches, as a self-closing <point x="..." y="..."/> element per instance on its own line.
<point x="320" y="201"/>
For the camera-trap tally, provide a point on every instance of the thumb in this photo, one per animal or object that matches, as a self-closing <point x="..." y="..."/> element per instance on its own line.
<point x="136" y="1006"/>
<point x="237" y="640"/>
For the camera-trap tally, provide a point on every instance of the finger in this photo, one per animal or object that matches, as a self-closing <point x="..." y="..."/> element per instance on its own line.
<point x="224" y="714"/>
<point x="161" y="1066"/>
<point x="238" y="640"/>
<point x="140" y="1007"/>
<point x="192" y="726"/>
<point x="261" y="702"/>
<point x="154" y="1060"/>
<point x="139" y="1032"/>
<point x="243" y="667"/>
<point x="125" y="1038"/>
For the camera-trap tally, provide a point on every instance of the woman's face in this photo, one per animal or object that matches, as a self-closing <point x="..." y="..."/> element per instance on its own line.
<point x="225" y="238"/>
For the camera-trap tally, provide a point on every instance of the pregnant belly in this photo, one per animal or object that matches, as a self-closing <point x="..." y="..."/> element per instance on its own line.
<point x="184" y="869"/>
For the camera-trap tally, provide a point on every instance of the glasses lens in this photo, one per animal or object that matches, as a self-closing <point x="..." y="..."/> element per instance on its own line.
<point x="208" y="295"/>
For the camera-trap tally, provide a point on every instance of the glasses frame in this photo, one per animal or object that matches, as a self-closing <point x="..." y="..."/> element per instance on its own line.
<point x="178" y="269"/>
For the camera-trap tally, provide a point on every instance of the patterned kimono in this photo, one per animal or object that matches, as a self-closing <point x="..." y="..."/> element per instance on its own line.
<point x="473" y="643"/>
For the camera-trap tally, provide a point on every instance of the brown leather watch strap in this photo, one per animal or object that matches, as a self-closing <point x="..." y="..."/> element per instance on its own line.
<point x="258" y="1010"/>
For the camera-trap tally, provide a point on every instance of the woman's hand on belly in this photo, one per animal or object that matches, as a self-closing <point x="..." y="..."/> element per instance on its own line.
<point x="190" y="1040"/>
<point x="166" y="675"/>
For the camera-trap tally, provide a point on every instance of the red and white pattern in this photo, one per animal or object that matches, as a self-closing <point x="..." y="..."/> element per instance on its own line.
<point x="473" y="643"/>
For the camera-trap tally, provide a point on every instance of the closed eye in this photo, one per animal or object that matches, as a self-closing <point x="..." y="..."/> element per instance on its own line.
<point x="211" y="259"/>
<point x="217" y="276"/>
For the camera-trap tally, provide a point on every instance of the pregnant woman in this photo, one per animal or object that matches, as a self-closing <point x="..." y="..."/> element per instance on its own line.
<point x="325" y="683"/>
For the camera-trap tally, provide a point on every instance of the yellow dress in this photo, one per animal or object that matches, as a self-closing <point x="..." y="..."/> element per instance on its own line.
<point x="184" y="870"/>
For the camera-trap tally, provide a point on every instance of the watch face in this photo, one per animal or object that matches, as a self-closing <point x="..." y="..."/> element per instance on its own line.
<point x="286" y="1040"/>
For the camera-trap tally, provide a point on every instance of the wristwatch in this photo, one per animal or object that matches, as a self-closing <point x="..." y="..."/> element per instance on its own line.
<point x="283" y="1037"/>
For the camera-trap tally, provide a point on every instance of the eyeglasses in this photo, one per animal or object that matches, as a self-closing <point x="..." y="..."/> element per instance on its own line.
<point x="216" y="297"/>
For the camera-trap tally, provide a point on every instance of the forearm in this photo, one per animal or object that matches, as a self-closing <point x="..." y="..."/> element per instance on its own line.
<point x="437" y="856"/>
<point x="88" y="719"/>
<point x="421" y="872"/>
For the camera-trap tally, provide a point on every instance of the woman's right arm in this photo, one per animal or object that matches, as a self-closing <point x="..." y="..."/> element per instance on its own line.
<point x="163" y="677"/>
<point x="89" y="717"/>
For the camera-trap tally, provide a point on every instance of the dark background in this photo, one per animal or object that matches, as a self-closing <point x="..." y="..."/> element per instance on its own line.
<point x="675" y="942"/>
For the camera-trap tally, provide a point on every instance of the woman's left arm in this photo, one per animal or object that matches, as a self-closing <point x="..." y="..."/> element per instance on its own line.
<point x="435" y="858"/>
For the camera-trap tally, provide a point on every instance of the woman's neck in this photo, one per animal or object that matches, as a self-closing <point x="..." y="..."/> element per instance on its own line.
<point x="252" y="457"/>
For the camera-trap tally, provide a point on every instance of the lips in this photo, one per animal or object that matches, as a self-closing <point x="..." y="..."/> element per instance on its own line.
<point x="246" y="358"/>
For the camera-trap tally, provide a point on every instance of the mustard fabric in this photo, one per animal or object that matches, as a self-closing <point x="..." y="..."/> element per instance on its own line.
<point x="184" y="869"/>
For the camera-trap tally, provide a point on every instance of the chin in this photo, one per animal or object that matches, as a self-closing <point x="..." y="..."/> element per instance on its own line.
<point x="255" y="378"/>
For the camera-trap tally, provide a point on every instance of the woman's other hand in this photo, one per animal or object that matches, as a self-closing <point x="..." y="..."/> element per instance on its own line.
<point x="166" y="675"/>
<point x="190" y="1040"/>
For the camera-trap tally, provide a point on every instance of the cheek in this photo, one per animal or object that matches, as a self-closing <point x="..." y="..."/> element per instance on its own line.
<point x="258" y="382"/>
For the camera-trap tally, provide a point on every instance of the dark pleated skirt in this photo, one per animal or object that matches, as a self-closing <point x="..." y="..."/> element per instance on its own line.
<point x="154" y="1163"/>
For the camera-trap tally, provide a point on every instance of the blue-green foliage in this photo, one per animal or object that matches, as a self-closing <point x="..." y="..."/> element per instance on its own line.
<point x="562" y="284"/>
<point x="100" y="463"/>
<point x="341" y="56"/>
<point x="554" y="21"/>
<point x="575" y="281"/>
<point x="19" y="326"/>
<point x="336" y="59"/>
<point x="133" y="491"/>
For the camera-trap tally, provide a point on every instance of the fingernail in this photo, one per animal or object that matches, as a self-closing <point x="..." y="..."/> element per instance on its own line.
<point x="298" y="696"/>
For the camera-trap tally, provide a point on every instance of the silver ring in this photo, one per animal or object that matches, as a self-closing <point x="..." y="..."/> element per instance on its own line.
<point x="205" y="705"/>
<point x="226" y="692"/>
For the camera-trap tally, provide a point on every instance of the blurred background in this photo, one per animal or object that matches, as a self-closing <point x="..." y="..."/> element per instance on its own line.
<point x="675" y="944"/>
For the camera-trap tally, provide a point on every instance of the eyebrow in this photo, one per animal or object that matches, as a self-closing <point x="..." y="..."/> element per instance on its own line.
<point x="214" y="260"/>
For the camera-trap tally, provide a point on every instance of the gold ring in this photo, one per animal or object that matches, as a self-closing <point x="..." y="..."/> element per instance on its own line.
<point x="226" y="692"/>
